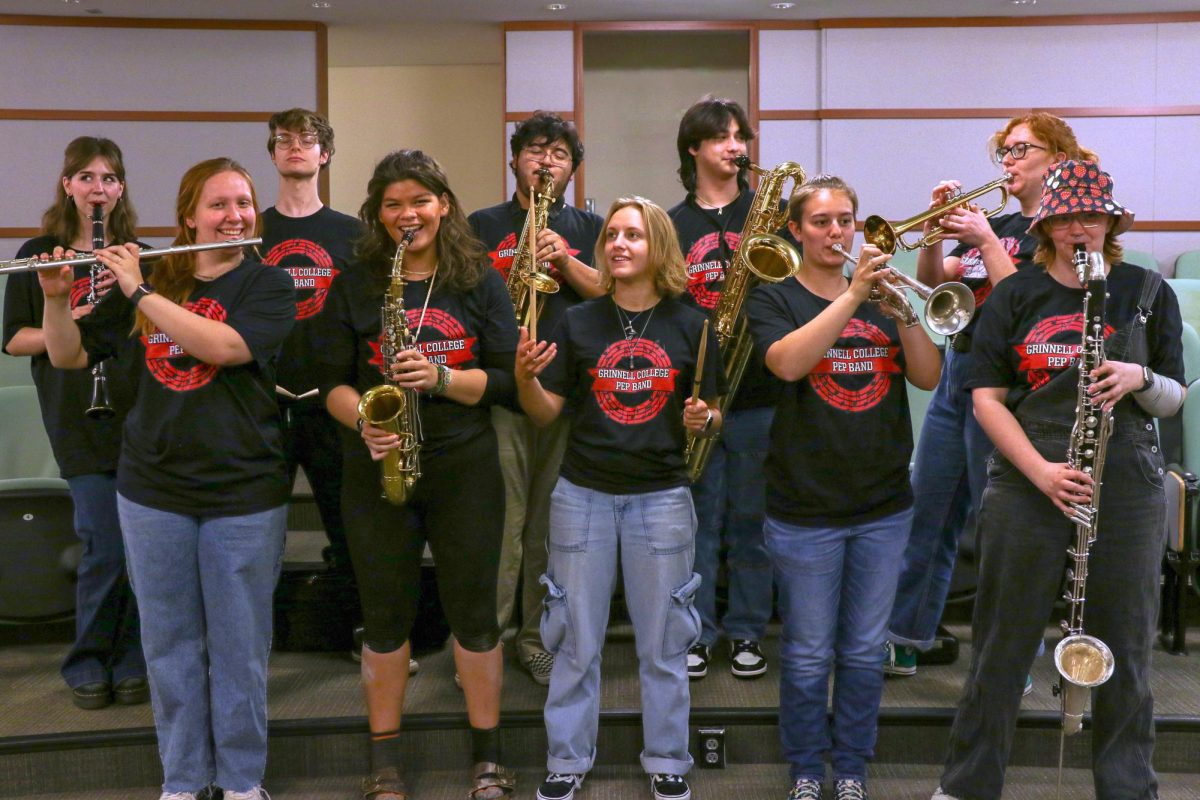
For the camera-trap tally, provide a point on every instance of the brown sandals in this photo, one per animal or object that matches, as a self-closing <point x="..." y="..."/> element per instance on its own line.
<point x="492" y="782"/>
<point x="384" y="785"/>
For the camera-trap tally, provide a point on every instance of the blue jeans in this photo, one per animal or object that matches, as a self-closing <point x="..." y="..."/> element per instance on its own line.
<point x="948" y="481"/>
<point x="108" y="641"/>
<point x="204" y="586"/>
<point x="835" y="594"/>
<point x="654" y="536"/>
<point x="730" y="500"/>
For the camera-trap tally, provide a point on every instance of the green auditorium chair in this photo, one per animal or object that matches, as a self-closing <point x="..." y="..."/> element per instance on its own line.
<point x="1187" y="265"/>
<point x="37" y="534"/>
<point x="1141" y="258"/>
<point x="1188" y="292"/>
<point x="13" y="371"/>
<point x="1182" y="560"/>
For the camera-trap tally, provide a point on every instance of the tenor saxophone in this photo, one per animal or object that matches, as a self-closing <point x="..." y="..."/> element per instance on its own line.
<point x="525" y="277"/>
<point x="388" y="406"/>
<point x="1084" y="661"/>
<point x="761" y="256"/>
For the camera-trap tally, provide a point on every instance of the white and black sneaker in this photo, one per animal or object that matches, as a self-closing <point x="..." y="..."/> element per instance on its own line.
<point x="559" y="786"/>
<point x="698" y="657"/>
<point x="746" y="659"/>
<point x="850" y="789"/>
<point x="669" y="787"/>
<point x="805" y="789"/>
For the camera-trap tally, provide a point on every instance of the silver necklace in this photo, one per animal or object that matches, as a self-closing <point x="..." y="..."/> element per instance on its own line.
<point x="713" y="206"/>
<point x="627" y="329"/>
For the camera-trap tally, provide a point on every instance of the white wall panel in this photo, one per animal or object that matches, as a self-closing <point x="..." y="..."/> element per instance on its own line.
<point x="539" y="70"/>
<point x="1176" y="168"/>
<point x="788" y="69"/>
<point x="156" y="156"/>
<point x="1178" y="64"/>
<point x="894" y="164"/>
<point x="157" y="68"/>
<point x="986" y="67"/>
<point x="790" y="140"/>
<point x="1126" y="149"/>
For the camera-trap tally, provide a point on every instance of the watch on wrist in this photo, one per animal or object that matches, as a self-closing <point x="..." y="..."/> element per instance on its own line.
<point x="1147" y="379"/>
<point x="140" y="291"/>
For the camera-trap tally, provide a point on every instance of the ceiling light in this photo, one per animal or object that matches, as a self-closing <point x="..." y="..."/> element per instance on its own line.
<point x="782" y="6"/>
<point x="322" y="4"/>
<point x="556" y="7"/>
<point x="1024" y="2"/>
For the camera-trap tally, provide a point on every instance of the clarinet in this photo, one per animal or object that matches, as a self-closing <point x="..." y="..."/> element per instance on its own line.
<point x="1083" y="661"/>
<point x="100" y="407"/>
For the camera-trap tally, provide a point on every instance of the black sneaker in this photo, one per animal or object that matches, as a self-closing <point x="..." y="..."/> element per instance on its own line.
<point x="669" y="787"/>
<point x="697" y="661"/>
<point x="559" y="786"/>
<point x="746" y="659"/>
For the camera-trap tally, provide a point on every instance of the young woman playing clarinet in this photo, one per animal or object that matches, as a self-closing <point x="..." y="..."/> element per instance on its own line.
<point x="202" y="489"/>
<point x="454" y="361"/>
<point x="1026" y="388"/>
<point x="839" y="503"/>
<point x="91" y="208"/>
<point x="627" y="362"/>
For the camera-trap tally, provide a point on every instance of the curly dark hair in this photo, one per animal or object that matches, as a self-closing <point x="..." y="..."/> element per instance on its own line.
<point x="545" y="127"/>
<point x="461" y="256"/>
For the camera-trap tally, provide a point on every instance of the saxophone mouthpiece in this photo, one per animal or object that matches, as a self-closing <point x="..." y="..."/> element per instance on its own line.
<point x="742" y="161"/>
<point x="407" y="238"/>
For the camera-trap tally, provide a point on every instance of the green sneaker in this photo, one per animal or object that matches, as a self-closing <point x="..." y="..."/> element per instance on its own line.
<point x="900" y="660"/>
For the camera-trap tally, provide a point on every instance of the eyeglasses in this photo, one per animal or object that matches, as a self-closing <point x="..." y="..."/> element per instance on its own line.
<point x="286" y="140"/>
<point x="557" y="155"/>
<point x="1088" y="219"/>
<point x="1018" y="151"/>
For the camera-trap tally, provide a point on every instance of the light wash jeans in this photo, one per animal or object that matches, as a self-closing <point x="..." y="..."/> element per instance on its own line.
<point x="654" y="536"/>
<point x="731" y="499"/>
<point x="204" y="586"/>
<point x="947" y="481"/>
<point x="108" y="641"/>
<point x="835" y="594"/>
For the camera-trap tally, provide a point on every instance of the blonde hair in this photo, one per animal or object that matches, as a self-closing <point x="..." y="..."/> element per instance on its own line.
<point x="664" y="256"/>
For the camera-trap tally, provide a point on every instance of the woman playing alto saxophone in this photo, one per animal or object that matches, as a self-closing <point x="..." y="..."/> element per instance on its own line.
<point x="463" y="338"/>
<point x="1025" y="386"/>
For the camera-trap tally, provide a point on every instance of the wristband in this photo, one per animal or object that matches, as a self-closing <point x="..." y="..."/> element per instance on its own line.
<point x="443" y="380"/>
<point x="142" y="290"/>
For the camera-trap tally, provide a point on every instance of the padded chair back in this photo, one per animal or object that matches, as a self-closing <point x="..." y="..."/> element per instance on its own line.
<point x="1188" y="292"/>
<point x="1187" y="265"/>
<point x="918" y="403"/>
<point x="1142" y="259"/>
<point x="1191" y="353"/>
<point x="24" y="447"/>
<point x="13" y="371"/>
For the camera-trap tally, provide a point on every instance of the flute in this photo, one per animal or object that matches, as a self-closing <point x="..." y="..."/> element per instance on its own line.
<point x="35" y="263"/>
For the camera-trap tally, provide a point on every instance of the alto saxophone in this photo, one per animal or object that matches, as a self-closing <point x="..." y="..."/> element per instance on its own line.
<point x="1084" y="661"/>
<point x="762" y="255"/>
<point x="525" y="277"/>
<point x="388" y="406"/>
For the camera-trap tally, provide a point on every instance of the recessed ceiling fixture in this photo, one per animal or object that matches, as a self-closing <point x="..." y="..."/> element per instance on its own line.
<point x="1024" y="2"/>
<point x="72" y="2"/>
<point x="782" y="6"/>
<point x="556" y="7"/>
<point x="322" y="4"/>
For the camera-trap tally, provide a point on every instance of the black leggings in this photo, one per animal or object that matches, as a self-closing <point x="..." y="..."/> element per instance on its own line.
<point x="458" y="505"/>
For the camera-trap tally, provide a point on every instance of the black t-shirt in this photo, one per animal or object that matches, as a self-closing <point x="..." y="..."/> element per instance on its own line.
<point x="81" y="445"/>
<point x="842" y="439"/>
<point x="499" y="226"/>
<point x="472" y="330"/>
<point x="1031" y="330"/>
<point x="313" y="250"/>
<point x="709" y="241"/>
<point x="627" y="434"/>
<point x="203" y="439"/>
<point x="1012" y="231"/>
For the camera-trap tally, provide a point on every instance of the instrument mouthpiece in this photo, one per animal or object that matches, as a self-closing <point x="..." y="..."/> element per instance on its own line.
<point x="407" y="238"/>
<point x="742" y="161"/>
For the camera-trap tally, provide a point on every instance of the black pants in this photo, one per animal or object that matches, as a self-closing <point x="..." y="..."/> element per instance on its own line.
<point x="458" y="506"/>
<point x="1023" y="541"/>
<point x="311" y="440"/>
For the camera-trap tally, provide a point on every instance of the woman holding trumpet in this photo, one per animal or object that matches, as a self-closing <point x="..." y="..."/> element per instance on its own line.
<point x="202" y="490"/>
<point x="105" y="662"/>
<point x="454" y="361"/>
<point x="838" y="502"/>
<point x="949" y="476"/>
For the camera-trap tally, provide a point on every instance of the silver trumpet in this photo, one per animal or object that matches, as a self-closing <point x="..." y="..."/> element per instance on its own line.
<point x="948" y="306"/>
<point x="34" y="263"/>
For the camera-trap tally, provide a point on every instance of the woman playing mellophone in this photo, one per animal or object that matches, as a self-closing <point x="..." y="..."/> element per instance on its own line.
<point x="627" y="363"/>
<point x="1026" y="388"/>
<point x="458" y="363"/>
<point x="202" y="490"/>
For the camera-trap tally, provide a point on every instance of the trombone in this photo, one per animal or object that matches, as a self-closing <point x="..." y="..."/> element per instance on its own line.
<point x="887" y="236"/>
<point x="35" y="263"/>
<point x="948" y="307"/>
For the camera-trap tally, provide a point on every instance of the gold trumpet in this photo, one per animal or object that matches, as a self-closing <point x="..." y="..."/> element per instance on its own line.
<point x="887" y="236"/>
<point x="948" y="307"/>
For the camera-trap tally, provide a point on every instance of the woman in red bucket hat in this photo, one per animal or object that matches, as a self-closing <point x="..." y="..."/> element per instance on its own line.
<point x="1026" y="389"/>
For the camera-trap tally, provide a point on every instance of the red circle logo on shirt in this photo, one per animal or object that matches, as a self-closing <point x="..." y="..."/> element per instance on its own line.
<point x="1043" y="354"/>
<point x="311" y="268"/>
<point x="706" y="266"/>
<point x="613" y="380"/>
<point x="161" y="349"/>
<point x="836" y="376"/>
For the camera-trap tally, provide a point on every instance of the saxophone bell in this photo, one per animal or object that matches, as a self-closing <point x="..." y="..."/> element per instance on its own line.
<point x="1083" y="662"/>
